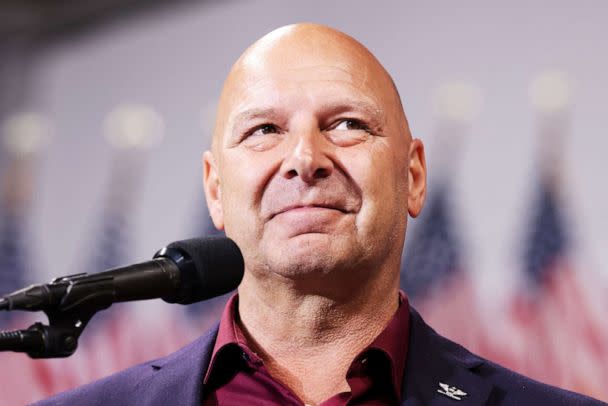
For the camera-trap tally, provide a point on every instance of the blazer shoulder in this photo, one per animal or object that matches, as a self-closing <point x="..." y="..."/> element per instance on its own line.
<point x="442" y="358"/>
<point x="511" y="387"/>
<point x="113" y="389"/>
<point x="142" y="384"/>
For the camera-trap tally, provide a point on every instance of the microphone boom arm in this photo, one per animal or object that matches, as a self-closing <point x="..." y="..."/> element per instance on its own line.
<point x="69" y="303"/>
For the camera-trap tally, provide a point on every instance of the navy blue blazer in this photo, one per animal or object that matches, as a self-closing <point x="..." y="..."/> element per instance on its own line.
<point x="438" y="372"/>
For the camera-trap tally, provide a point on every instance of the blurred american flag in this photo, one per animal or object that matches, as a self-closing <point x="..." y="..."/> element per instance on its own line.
<point x="553" y="330"/>
<point x="12" y="256"/>
<point x="433" y="274"/>
<point x="15" y="374"/>
<point x="561" y="337"/>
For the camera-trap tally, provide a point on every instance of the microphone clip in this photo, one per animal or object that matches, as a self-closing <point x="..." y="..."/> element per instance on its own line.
<point x="67" y="318"/>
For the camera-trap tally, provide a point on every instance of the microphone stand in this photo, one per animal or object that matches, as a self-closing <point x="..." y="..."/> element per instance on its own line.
<point x="178" y="273"/>
<point x="77" y="301"/>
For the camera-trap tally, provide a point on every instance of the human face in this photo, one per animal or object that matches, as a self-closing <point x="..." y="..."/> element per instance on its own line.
<point x="309" y="173"/>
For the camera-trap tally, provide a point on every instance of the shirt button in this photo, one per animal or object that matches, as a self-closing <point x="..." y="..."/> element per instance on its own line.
<point x="245" y="356"/>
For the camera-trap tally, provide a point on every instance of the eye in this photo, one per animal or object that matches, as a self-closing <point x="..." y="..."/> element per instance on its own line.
<point x="264" y="129"/>
<point x="351" y="124"/>
<point x="348" y="132"/>
<point x="262" y="137"/>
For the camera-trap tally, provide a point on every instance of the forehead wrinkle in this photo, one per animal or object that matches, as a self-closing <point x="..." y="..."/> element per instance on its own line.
<point x="254" y="113"/>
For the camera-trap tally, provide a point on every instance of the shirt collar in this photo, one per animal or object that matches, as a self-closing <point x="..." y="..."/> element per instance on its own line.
<point x="229" y="333"/>
<point x="392" y="341"/>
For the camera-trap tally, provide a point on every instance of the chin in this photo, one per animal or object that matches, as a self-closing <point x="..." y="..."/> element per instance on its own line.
<point x="308" y="255"/>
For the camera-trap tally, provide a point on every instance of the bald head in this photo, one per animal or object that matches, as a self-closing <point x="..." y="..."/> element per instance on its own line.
<point x="300" y="51"/>
<point x="309" y="119"/>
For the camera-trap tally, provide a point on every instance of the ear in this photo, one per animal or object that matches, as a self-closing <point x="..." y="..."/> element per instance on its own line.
<point x="416" y="178"/>
<point x="213" y="191"/>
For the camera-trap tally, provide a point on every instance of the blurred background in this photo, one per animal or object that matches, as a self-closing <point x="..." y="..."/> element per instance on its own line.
<point x="106" y="106"/>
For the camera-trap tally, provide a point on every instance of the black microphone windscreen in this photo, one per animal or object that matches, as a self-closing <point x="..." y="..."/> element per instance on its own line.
<point x="218" y="264"/>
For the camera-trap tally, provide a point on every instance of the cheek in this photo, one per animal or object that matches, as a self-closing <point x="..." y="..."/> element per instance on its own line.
<point x="245" y="176"/>
<point x="382" y="177"/>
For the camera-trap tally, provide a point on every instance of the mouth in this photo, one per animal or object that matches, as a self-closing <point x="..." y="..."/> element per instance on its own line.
<point x="309" y="207"/>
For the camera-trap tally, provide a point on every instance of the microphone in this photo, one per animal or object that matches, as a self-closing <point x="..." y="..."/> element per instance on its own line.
<point x="183" y="272"/>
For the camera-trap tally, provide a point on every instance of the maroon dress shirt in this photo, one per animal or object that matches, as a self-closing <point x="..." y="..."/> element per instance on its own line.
<point x="237" y="376"/>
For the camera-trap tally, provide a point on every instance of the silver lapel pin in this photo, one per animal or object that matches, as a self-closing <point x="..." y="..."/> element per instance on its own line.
<point x="451" y="391"/>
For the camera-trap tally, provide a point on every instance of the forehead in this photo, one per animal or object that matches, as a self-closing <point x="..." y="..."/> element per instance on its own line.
<point x="304" y="84"/>
<point x="317" y="68"/>
<point x="315" y="78"/>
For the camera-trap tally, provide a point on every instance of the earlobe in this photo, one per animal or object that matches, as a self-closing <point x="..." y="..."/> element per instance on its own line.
<point x="213" y="191"/>
<point x="416" y="178"/>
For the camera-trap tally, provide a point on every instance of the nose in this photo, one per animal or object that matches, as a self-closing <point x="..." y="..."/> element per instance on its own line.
<point x="308" y="158"/>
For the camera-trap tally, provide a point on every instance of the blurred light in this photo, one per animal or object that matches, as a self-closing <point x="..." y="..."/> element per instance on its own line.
<point x="133" y="126"/>
<point x="26" y="133"/>
<point x="550" y="91"/>
<point x="459" y="101"/>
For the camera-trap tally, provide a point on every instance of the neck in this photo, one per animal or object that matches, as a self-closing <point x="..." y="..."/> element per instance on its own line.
<point x="298" y="333"/>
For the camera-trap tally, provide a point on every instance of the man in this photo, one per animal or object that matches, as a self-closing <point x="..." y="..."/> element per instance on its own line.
<point x="313" y="172"/>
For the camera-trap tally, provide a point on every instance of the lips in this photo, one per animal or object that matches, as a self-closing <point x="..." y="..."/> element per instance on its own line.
<point x="298" y="206"/>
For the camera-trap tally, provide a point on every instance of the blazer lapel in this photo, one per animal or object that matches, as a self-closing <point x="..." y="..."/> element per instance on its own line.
<point x="178" y="378"/>
<point x="439" y="371"/>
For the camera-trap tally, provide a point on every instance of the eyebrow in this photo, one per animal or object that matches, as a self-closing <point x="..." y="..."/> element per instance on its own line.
<point x="343" y="106"/>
